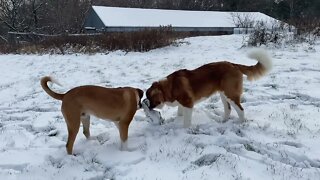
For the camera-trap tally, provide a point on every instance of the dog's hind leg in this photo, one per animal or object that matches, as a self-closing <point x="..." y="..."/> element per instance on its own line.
<point x="235" y="103"/>
<point x="72" y="134"/>
<point x="85" y="119"/>
<point x="123" y="130"/>
<point x="233" y="90"/>
<point x="72" y="118"/>
<point x="226" y="106"/>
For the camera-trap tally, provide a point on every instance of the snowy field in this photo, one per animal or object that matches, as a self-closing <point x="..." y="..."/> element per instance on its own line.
<point x="280" y="140"/>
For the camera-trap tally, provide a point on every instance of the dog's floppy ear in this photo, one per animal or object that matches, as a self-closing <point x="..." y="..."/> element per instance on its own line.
<point x="140" y="92"/>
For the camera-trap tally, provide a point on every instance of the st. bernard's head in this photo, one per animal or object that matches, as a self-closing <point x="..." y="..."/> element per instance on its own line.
<point x="155" y="96"/>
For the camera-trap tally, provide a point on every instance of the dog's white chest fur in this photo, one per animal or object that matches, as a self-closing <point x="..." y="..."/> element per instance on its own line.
<point x="172" y="104"/>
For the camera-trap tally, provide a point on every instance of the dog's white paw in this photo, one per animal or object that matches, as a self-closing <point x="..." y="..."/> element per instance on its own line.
<point x="124" y="146"/>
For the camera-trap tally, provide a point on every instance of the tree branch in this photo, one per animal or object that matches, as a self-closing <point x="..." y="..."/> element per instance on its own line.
<point x="4" y="39"/>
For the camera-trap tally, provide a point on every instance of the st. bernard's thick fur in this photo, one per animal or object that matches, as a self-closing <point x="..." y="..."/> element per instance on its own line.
<point x="116" y="104"/>
<point x="187" y="87"/>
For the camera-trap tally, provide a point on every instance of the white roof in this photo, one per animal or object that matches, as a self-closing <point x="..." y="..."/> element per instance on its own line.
<point x="136" y="17"/>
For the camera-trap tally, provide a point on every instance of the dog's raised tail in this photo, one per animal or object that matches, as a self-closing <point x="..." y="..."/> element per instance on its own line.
<point x="263" y="66"/>
<point x="44" y="84"/>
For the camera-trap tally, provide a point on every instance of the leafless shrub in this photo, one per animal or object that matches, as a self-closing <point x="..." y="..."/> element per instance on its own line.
<point x="243" y="20"/>
<point x="262" y="35"/>
<point x="316" y="31"/>
<point x="308" y="29"/>
<point x="275" y="33"/>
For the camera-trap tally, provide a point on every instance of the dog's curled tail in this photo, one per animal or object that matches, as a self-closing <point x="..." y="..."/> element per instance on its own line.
<point x="263" y="66"/>
<point x="44" y="84"/>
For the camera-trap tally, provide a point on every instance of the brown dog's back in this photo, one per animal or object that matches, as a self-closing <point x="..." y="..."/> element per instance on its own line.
<point x="104" y="103"/>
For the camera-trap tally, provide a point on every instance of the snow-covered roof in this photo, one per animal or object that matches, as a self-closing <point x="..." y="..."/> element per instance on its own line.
<point x="136" y="17"/>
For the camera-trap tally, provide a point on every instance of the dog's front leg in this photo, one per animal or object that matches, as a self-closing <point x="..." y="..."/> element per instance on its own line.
<point x="187" y="116"/>
<point x="239" y="109"/>
<point x="180" y="110"/>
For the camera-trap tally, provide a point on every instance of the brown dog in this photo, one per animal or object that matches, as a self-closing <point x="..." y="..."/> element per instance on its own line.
<point x="187" y="87"/>
<point x="116" y="104"/>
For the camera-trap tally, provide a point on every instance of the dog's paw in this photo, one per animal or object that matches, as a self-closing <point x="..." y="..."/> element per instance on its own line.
<point x="124" y="146"/>
<point x="224" y="119"/>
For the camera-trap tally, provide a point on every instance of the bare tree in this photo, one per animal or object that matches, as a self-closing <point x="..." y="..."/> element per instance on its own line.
<point x="36" y="7"/>
<point x="3" y="39"/>
<point x="10" y="14"/>
<point x="65" y="16"/>
<point x="242" y="20"/>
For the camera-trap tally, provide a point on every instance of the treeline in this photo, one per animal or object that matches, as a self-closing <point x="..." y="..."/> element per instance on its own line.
<point x="67" y="16"/>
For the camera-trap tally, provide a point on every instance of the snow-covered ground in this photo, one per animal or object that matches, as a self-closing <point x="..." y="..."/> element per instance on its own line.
<point x="281" y="139"/>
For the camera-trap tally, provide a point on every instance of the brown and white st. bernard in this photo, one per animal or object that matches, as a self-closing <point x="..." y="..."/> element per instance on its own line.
<point x="116" y="104"/>
<point x="187" y="87"/>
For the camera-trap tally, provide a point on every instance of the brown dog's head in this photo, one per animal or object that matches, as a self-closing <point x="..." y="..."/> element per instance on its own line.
<point x="140" y="92"/>
<point x="155" y="95"/>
